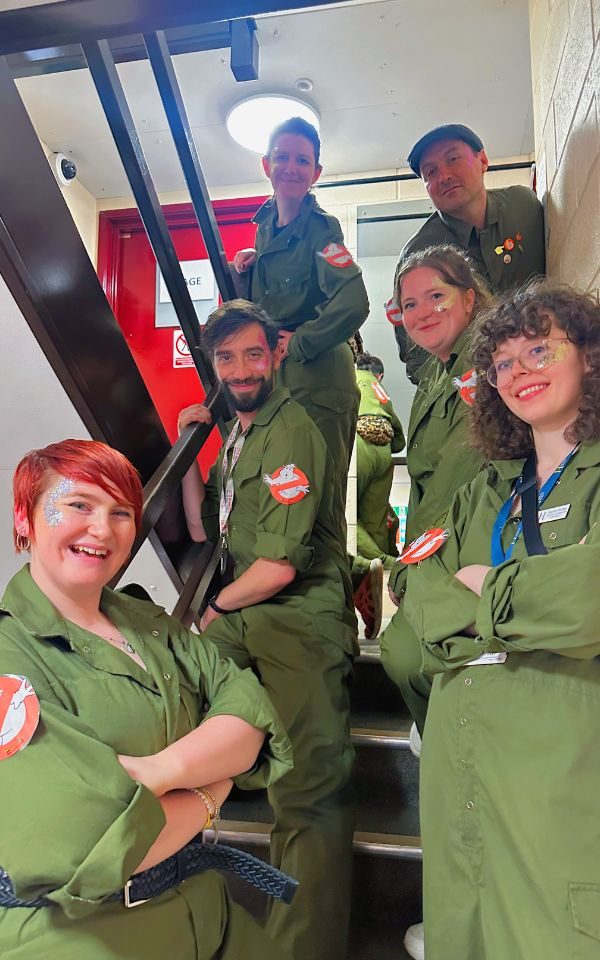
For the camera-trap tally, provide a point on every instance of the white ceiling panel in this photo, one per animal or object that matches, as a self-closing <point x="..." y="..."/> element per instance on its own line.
<point x="383" y="73"/>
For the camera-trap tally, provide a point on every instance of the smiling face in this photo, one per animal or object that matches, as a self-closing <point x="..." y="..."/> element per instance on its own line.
<point x="435" y="313"/>
<point x="245" y="365"/>
<point x="80" y="536"/>
<point x="453" y="175"/>
<point x="547" y="399"/>
<point x="291" y="167"/>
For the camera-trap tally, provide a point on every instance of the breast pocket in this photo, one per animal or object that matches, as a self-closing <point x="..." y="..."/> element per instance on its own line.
<point x="584" y="905"/>
<point x="563" y="521"/>
<point x="246" y="470"/>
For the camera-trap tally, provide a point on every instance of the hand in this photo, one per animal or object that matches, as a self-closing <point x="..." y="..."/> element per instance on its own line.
<point x="283" y="342"/>
<point x="207" y="618"/>
<point x="244" y="259"/>
<point x="473" y="576"/>
<point x="196" y="413"/>
<point x="147" y="770"/>
<point x="393" y="597"/>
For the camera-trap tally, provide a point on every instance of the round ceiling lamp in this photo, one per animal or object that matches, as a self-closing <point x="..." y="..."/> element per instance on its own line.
<point x="251" y="121"/>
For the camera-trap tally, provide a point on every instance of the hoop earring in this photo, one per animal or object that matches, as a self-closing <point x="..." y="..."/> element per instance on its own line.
<point x="22" y="542"/>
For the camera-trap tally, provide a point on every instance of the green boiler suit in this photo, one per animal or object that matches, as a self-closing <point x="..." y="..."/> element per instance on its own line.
<point x="375" y="470"/>
<point x="301" y="643"/>
<point x="308" y="283"/>
<point x="510" y="767"/>
<point x="74" y="825"/>
<point x="440" y="459"/>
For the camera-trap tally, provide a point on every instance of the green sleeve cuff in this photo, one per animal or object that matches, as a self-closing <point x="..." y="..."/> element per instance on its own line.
<point x="112" y="861"/>
<point x="243" y="697"/>
<point x="495" y="604"/>
<point x="295" y="350"/>
<point x="274" y="546"/>
<point x="397" y="580"/>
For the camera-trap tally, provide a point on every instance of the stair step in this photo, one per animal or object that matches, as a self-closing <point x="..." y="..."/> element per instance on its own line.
<point x="376" y="737"/>
<point x="372" y="689"/>
<point x="257" y="834"/>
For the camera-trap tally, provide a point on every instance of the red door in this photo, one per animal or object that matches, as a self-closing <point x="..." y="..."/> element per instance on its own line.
<point x="127" y="270"/>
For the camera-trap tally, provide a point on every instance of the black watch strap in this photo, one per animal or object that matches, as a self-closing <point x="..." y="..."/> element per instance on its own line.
<point x="212" y="603"/>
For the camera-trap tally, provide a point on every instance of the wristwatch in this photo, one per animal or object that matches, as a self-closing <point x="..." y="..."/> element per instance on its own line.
<point x="212" y="603"/>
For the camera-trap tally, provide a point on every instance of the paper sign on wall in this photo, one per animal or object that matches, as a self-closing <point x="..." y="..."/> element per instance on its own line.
<point x="181" y="352"/>
<point x="199" y="278"/>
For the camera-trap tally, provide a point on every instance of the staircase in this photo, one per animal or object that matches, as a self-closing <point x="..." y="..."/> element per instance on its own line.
<point x="387" y="846"/>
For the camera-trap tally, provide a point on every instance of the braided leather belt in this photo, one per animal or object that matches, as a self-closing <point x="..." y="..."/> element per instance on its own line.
<point x="194" y="858"/>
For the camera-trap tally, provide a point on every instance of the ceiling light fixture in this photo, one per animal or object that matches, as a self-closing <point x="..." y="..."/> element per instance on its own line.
<point x="251" y="121"/>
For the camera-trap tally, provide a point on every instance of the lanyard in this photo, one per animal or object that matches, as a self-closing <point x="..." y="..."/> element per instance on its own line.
<point x="498" y="554"/>
<point x="227" y="489"/>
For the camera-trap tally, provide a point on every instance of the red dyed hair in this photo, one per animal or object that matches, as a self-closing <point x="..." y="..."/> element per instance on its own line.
<point x="85" y="460"/>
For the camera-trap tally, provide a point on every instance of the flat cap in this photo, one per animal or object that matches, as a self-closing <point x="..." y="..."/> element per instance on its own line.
<point x="451" y="131"/>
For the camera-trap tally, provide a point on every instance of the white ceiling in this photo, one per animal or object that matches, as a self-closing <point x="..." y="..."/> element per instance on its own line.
<point x="383" y="73"/>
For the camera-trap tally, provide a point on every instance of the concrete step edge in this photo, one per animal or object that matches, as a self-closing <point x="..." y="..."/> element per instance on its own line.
<point x="389" y="845"/>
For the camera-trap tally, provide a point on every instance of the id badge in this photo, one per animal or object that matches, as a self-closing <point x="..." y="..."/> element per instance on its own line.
<point x="487" y="658"/>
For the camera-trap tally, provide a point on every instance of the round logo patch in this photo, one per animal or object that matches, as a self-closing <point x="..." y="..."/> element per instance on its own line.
<point x="393" y="312"/>
<point x="288" y="484"/>
<point x="466" y="386"/>
<point x="19" y="714"/>
<point x="336" y="255"/>
<point x="425" y="545"/>
<point x="380" y="392"/>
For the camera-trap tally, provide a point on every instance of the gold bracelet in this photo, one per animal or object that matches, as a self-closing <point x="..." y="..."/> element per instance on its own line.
<point x="214" y="811"/>
<point x="200" y="793"/>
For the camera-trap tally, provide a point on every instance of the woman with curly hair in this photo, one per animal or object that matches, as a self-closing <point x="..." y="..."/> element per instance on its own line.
<point x="507" y="614"/>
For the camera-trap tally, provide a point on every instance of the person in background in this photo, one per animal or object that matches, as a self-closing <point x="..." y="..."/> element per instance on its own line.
<point x="102" y="698"/>
<point x="501" y="230"/>
<point x="379" y="434"/>
<point x="308" y="284"/>
<point x="440" y="295"/>
<point x="507" y="614"/>
<point x="281" y="609"/>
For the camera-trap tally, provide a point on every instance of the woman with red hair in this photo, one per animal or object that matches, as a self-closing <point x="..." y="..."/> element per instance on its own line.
<point x="111" y="716"/>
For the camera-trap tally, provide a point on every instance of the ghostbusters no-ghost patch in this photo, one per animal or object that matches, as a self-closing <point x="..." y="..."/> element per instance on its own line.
<point x="425" y="545"/>
<point x="466" y="386"/>
<point x="380" y="392"/>
<point x="19" y="714"/>
<point x="336" y="255"/>
<point x="288" y="484"/>
<point x="393" y="312"/>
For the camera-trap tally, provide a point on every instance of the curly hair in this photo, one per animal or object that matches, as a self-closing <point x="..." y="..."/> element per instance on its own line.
<point x="530" y="312"/>
<point x="366" y="361"/>
<point x="454" y="267"/>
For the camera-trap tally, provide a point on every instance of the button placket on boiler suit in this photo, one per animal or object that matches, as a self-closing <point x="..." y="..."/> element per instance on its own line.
<point x="300" y="641"/>
<point x="510" y="769"/>
<point x="74" y="825"/>
<point x="324" y="305"/>
<point x="440" y="460"/>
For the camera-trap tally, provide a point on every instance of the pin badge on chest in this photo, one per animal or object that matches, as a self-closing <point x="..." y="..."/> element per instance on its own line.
<point x="425" y="545"/>
<point x="19" y="714"/>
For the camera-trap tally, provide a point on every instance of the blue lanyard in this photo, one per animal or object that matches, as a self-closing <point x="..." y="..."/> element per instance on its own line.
<point x="498" y="554"/>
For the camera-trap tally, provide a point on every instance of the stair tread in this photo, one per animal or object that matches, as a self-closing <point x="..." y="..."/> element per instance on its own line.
<point x="257" y="833"/>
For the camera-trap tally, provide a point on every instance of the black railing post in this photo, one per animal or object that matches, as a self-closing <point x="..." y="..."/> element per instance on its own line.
<point x="113" y="100"/>
<point x="170" y="93"/>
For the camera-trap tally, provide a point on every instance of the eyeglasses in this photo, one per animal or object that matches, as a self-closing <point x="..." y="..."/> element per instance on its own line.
<point x="537" y="356"/>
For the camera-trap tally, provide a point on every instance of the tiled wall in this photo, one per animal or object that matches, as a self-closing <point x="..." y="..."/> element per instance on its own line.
<point x="565" y="63"/>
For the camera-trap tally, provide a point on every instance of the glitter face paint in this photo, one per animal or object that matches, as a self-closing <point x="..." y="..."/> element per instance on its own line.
<point x="61" y="488"/>
<point x="451" y="294"/>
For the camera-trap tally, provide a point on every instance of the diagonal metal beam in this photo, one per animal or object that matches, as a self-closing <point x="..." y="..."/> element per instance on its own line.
<point x="113" y="100"/>
<point x="170" y="94"/>
<point x="85" y="21"/>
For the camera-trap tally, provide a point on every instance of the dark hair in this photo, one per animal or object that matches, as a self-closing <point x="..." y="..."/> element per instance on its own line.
<point x="366" y="361"/>
<point x="454" y="267"/>
<point x="232" y="316"/>
<point x="529" y="312"/>
<point x="301" y="128"/>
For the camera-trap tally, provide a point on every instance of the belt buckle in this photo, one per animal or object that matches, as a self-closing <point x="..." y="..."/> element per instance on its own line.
<point x="127" y="896"/>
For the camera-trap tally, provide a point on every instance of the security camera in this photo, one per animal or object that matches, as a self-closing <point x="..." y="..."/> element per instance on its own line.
<point x="65" y="169"/>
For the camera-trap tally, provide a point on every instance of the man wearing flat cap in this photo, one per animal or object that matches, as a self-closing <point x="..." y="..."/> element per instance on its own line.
<point x="502" y="230"/>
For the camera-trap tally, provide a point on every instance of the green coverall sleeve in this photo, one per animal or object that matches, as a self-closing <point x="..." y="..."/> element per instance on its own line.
<point x="74" y="825"/>
<point x="439" y="608"/>
<point x="228" y="690"/>
<point x="398" y="440"/>
<point x="544" y="603"/>
<point x="283" y="530"/>
<point x="344" y="309"/>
